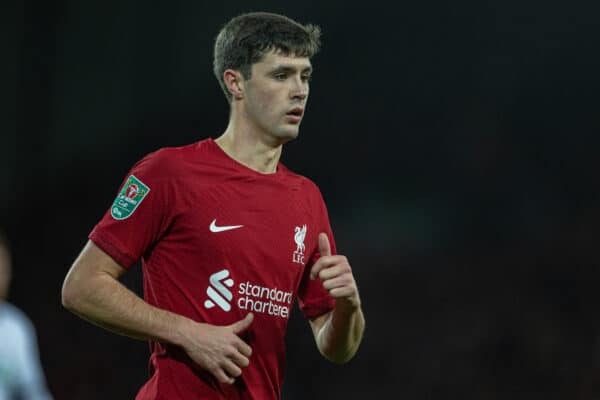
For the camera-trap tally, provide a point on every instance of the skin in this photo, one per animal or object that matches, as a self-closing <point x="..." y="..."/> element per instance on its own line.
<point x="338" y="334"/>
<point x="257" y="129"/>
<point x="259" y="126"/>
<point x="5" y="272"/>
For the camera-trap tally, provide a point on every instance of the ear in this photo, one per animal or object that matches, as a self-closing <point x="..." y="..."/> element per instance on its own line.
<point x="235" y="83"/>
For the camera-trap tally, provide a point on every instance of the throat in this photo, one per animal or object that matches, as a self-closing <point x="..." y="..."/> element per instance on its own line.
<point x="256" y="156"/>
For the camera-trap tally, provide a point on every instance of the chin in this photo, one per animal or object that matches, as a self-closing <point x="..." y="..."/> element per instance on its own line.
<point x="289" y="133"/>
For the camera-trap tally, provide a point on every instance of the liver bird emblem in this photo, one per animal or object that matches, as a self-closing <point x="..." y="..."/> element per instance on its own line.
<point x="299" y="238"/>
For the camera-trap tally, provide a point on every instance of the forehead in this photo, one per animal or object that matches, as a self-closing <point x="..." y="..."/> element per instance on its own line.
<point x="274" y="59"/>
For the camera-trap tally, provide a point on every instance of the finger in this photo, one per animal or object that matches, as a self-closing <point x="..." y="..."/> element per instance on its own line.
<point x="240" y="360"/>
<point x="230" y="368"/>
<point x="324" y="247"/>
<point x="325" y="262"/>
<point x="333" y="272"/>
<point x="344" y="291"/>
<point x="241" y="325"/>
<point x="243" y="348"/>
<point x="337" y="282"/>
<point x="223" y="377"/>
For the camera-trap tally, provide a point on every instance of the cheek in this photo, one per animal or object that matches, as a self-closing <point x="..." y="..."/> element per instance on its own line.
<point x="268" y="106"/>
<point x="260" y="102"/>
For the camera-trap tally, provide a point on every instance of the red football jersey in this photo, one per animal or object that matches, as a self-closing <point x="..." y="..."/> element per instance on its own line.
<point x="218" y="240"/>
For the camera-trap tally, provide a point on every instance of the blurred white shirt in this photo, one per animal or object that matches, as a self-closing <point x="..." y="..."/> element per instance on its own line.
<point x="21" y="375"/>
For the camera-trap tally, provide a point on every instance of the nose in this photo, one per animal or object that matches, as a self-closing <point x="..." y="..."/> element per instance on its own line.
<point x="299" y="90"/>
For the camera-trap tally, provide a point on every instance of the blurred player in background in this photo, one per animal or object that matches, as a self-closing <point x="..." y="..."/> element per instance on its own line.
<point x="21" y="375"/>
<point x="229" y="238"/>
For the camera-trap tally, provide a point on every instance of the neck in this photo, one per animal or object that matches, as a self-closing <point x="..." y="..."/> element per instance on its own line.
<point x="250" y="148"/>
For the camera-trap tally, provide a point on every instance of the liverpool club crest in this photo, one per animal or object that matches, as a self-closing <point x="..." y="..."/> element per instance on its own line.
<point x="299" y="236"/>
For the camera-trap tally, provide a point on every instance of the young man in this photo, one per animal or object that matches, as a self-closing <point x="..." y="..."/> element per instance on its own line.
<point x="229" y="238"/>
<point x="21" y="374"/>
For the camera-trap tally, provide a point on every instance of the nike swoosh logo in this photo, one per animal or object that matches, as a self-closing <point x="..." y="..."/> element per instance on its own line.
<point x="215" y="228"/>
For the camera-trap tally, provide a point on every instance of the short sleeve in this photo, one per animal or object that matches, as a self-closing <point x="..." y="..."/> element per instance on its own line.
<point x="313" y="299"/>
<point x="140" y="214"/>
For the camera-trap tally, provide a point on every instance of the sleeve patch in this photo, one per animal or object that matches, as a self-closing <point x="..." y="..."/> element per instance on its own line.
<point x="130" y="197"/>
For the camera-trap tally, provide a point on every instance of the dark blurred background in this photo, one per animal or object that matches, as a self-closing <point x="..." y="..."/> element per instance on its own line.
<point x="456" y="144"/>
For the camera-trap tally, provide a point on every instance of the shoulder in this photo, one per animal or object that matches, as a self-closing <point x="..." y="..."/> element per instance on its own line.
<point x="305" y="185"/>
<point x="170" y="163"/>
<point x="165" y="160"/>
<point x="311" y="187"/>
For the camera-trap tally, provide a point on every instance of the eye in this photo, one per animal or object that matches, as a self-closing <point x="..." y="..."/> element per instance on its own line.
<point x="280" y="76"/>
<point x="306" y="78"/>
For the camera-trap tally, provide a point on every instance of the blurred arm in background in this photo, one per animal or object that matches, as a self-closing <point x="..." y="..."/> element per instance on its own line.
<point x="21" y="374"/>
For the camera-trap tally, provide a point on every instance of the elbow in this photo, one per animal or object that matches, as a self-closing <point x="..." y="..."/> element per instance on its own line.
<point x="340" y="352"/>
<point x="70" y="295"/>
<point x="339" y="358"/>
<point x="67" y="296"/>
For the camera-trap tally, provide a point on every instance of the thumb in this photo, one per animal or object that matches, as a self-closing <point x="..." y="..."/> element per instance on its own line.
<point x="243" y="324"/>
<point x="324" y="247"/>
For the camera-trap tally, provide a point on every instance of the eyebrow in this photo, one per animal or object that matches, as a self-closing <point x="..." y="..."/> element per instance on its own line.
<point x="291" y="69"/>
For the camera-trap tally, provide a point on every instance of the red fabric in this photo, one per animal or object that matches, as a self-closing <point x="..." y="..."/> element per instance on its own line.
<point x="190" y="187"/>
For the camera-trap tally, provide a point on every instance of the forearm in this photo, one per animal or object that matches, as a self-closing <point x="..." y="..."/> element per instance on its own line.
<point x="341" y="334"/>
<point x="92" y="291"/>
<point x="105" y="302"/>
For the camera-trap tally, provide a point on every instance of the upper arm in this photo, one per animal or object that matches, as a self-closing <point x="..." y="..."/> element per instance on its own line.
<point x="92" y="262"/>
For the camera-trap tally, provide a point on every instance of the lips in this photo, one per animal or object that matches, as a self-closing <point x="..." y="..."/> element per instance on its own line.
<point x="296" y="112"/>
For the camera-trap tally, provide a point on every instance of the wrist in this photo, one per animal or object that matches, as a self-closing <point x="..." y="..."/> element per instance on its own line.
<point x="348" y="305"/>
<point x="180" y="331"/>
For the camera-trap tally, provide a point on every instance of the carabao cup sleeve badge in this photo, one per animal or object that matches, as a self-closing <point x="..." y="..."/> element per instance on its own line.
<point x="130" y="197"/>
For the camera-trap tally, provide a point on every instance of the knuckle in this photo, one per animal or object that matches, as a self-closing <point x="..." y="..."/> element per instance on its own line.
<point x="231" y="349"/>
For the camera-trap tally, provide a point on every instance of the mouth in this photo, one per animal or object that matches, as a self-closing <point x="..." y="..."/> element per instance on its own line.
<point x="295" y="114"/>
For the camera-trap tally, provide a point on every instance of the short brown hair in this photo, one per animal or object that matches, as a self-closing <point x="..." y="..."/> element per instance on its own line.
<point x="245" y="39"/>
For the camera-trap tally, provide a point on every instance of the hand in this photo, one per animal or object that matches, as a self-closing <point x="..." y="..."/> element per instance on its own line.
<point x="336" y="275"/>
<point x="219" y="349"/>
